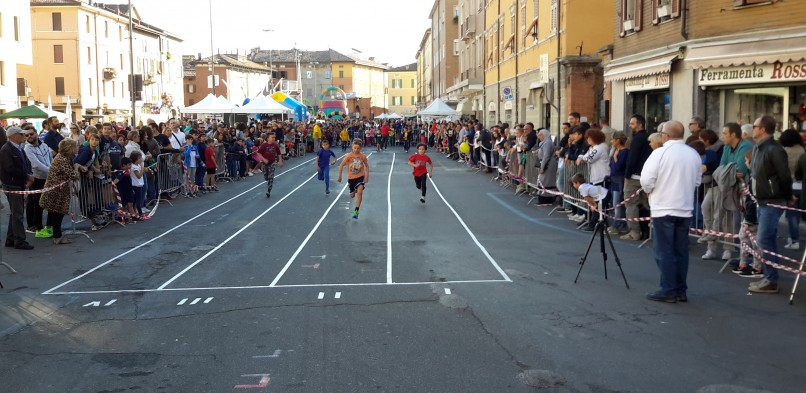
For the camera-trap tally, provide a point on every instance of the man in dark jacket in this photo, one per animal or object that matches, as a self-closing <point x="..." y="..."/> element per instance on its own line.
<point x="639" y="152"/>
<point x="771" y="182"/>
<point x="16" y="175"/>
<point x="52" y="136"/>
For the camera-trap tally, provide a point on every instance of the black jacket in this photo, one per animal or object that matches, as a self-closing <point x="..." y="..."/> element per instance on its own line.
<point x="12" y="173"/>
<point x="639" y="152"/>
<point x="772" y="180"/>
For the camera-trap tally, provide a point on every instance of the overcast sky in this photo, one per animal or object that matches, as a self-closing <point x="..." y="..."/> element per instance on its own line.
<point x="388" y="30"/>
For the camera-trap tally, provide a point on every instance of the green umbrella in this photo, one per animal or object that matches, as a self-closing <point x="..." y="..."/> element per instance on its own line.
<point x="26" y="112"/>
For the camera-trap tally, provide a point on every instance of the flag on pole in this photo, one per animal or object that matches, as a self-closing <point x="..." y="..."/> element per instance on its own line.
<point x="69" y="112"/>
<point x="50" y="104"/>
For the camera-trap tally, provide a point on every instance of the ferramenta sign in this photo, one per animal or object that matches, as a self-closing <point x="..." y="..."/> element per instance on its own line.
<point x="763" y="73"/>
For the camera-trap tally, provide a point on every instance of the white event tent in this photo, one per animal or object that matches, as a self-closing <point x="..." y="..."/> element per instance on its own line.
<point x="211" y="104"/>
<point x="394" y="116"/>
<point x="262" y="104"/>
<point x="437" y="108"/>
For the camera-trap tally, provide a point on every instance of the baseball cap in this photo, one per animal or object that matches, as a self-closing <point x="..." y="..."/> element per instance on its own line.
<point x="13" y="130"/>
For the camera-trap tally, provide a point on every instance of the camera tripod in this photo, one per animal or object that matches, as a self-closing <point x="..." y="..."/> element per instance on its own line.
<point x="601" y="230"/>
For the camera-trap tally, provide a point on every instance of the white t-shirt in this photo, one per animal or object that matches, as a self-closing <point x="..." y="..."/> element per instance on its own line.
<point x="135" y="181"/>
<point x="589" y="190"/>
<point x="177" y="139"/>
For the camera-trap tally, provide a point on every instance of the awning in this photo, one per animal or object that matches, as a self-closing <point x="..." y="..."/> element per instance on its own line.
<point x="535" y="85"/>
<point x="635" y="69"/>
<point x="463" y="107"/>
<point x="782" y="50"/>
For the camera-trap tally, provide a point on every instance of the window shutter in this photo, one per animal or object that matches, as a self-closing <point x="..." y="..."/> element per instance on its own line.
<point x="738" y="3"/>
<point x="623" y="17"/>
<point x="654" y="6"/>
<point x="675" y="8"/>
<point x="639" y="15"/>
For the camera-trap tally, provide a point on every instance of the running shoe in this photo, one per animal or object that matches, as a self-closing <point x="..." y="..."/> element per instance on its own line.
<point x="355" y="214"/>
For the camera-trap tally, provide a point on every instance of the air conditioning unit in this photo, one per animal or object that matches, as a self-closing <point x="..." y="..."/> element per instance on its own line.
<point x="664" y="11"/>
<point x="629" y="25"/>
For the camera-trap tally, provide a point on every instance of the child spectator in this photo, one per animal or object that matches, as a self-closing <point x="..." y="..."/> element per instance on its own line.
<point x="138" y="181"/>
<point x="123" y="181"/>
<point x="593" y="195"/>
<point x="191" y="153"/>
<point x="212" y="167"/>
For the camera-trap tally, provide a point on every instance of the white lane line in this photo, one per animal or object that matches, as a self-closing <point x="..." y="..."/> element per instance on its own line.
<point x="168" y="231"/>
<point x="208" y="300"/>
<point x="338" y="295"/>
<point x="238" y="232"/>
<point x="195" y="301"/>
<point x="469" y="232"/>
<point x="181" y="302"/>
<point x="371" y="284"/>
<point x="276" y="354"/>
<point x="310" y="234"/>
<point x="109" y="303"/>
<point x="389" y="223"/>
<point x="321" y="295"/>
<point x="447" y="291"/>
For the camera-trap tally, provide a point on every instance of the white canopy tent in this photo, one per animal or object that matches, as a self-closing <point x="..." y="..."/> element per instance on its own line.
<point x="394" y="116"/>
<point x="437" y="108"/>
<point x="382" y="116"/>
<point x="211" y="104"/>
<point x="262" y="104"/>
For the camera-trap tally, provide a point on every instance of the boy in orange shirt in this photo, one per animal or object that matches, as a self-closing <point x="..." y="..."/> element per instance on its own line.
<point x="357" y="173"/>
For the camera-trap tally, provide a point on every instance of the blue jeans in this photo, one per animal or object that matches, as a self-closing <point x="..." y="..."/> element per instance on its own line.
<point x="139" y="197"/>
<point x="620" y="212"/>
<point x="768" y="218"/>
<point x="325" y="176"/>
<point x="670" y="246"/>
<point x="793" y="221"/>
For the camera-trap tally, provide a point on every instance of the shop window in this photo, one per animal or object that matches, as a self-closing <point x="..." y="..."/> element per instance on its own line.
<point x="655" y="106"/>
<point x="744" y="106"/>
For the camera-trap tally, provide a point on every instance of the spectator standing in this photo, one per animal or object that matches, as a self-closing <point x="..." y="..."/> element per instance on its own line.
<point x="669" y="176"/>
<point x="52" y="136"/>
<point x="639" y="152"/>
<point x="75" y="134"/>
<point x="771" y="182"/>
<point x="618" y="161"/>
<point x="793" y="145"/>
<point x="695" y="126"/>
<point x="57" y="200"/>
<point x="39" y="155"/>
<point x="16" y="175"/>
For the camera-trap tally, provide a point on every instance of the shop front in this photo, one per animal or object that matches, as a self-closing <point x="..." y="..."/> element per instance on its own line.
<point x="753" y="75"/>
<point x="650" y="97"/>
<point x="745" y="93"/>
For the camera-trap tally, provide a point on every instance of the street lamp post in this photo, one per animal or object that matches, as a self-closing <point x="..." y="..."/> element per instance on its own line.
<point x="315" y="65"/>
<point x="212" y="50"/>
<point x="131" y="68"/>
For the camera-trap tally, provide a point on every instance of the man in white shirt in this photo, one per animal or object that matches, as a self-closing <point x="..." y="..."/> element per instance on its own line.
<point x="669" y="176"/>
<point x="177" y="137"/>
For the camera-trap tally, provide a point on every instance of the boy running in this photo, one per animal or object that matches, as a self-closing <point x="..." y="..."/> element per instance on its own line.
<point x="323" y="164"/>
<point x="357" y="173"/>
<point x="418" y="162"/>
<point x="270" y="157"/>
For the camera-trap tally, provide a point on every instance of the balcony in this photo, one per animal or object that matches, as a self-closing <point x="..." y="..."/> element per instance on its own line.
<point x="110" y="73"/>
<point x="468" y="28"/>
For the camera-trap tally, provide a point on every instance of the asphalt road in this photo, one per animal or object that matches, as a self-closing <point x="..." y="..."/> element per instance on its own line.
<point x="472" y="291"/>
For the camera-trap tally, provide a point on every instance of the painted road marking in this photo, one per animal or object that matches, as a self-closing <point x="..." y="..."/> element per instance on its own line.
<point x="50" y="291"/>
<point x="469" y="232"/>
<point x="314" y="266"/>
<point x="264" y="381"/>
<point x="238" y="232"/>
<point x="308" y="238"/>
<point x="97" y="303"/>
<point x="276" y="354"/>
<point x="321" y="295"/>
<point x="319" y="256"/>
<point x="389" y="223"/>
<point x="338" y="295"/>
<point x="365" y="284"/>
<point x="196" y="300"/>
<point x="447" y="291"/>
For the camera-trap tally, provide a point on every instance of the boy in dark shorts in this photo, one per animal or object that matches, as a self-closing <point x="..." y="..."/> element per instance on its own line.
<point x="270" y="157"/>
<point x="323" y="158"/>
<point x="418" y="162"/>
<point x="357" y="173"/>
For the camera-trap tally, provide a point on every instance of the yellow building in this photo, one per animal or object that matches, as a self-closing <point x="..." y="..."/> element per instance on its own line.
<point x="81" y="55"/>
<point x="424" y="64"/>
<point x="15" y="46"/>
<point x="530" y="46"/>
<point x="402" y="90"/>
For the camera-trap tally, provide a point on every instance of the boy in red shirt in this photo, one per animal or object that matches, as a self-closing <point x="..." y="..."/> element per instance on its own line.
<point x="357" y="173"/>
<point x="418" y="162"/>
<point x="270" y="157"/>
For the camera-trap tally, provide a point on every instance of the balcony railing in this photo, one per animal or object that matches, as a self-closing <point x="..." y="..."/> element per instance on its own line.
<point x="469" y="27"/>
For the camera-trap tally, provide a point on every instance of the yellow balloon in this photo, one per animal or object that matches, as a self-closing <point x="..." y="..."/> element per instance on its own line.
<point x="464" y="148"/>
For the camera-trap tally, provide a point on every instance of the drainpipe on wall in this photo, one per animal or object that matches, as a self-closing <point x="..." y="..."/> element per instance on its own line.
<point x="684" y="25"/>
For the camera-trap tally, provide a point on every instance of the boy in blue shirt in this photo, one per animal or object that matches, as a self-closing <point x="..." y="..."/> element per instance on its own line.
<point x="323" y="158"/>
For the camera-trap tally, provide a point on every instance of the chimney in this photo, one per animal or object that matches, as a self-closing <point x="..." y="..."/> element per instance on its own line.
<point x="200" y="56"/>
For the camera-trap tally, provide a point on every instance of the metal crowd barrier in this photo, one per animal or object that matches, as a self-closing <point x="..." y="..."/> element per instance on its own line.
<point x="170" y="168"/>
<point x="92" y="199"/>
<point x="570" y="193"/>
<point x="220" y="160"/>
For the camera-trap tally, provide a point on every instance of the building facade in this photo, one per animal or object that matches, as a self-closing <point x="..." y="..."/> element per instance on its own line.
<point x="540" y="60"/>
<point x="726" y="60"/>
<point x="402" y="90"/>
<point x="424" y="67"/>
<point x="445" y="54"/>
<point x="467" y="88"/>
<point x="15" y="45"/>
<point x="233" y="76"/>
<point x="81" y="55"/>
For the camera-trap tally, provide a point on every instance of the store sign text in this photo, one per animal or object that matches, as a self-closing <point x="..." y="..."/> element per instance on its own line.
<point x="650" y="82"/>
<point x="776" y="72"/>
